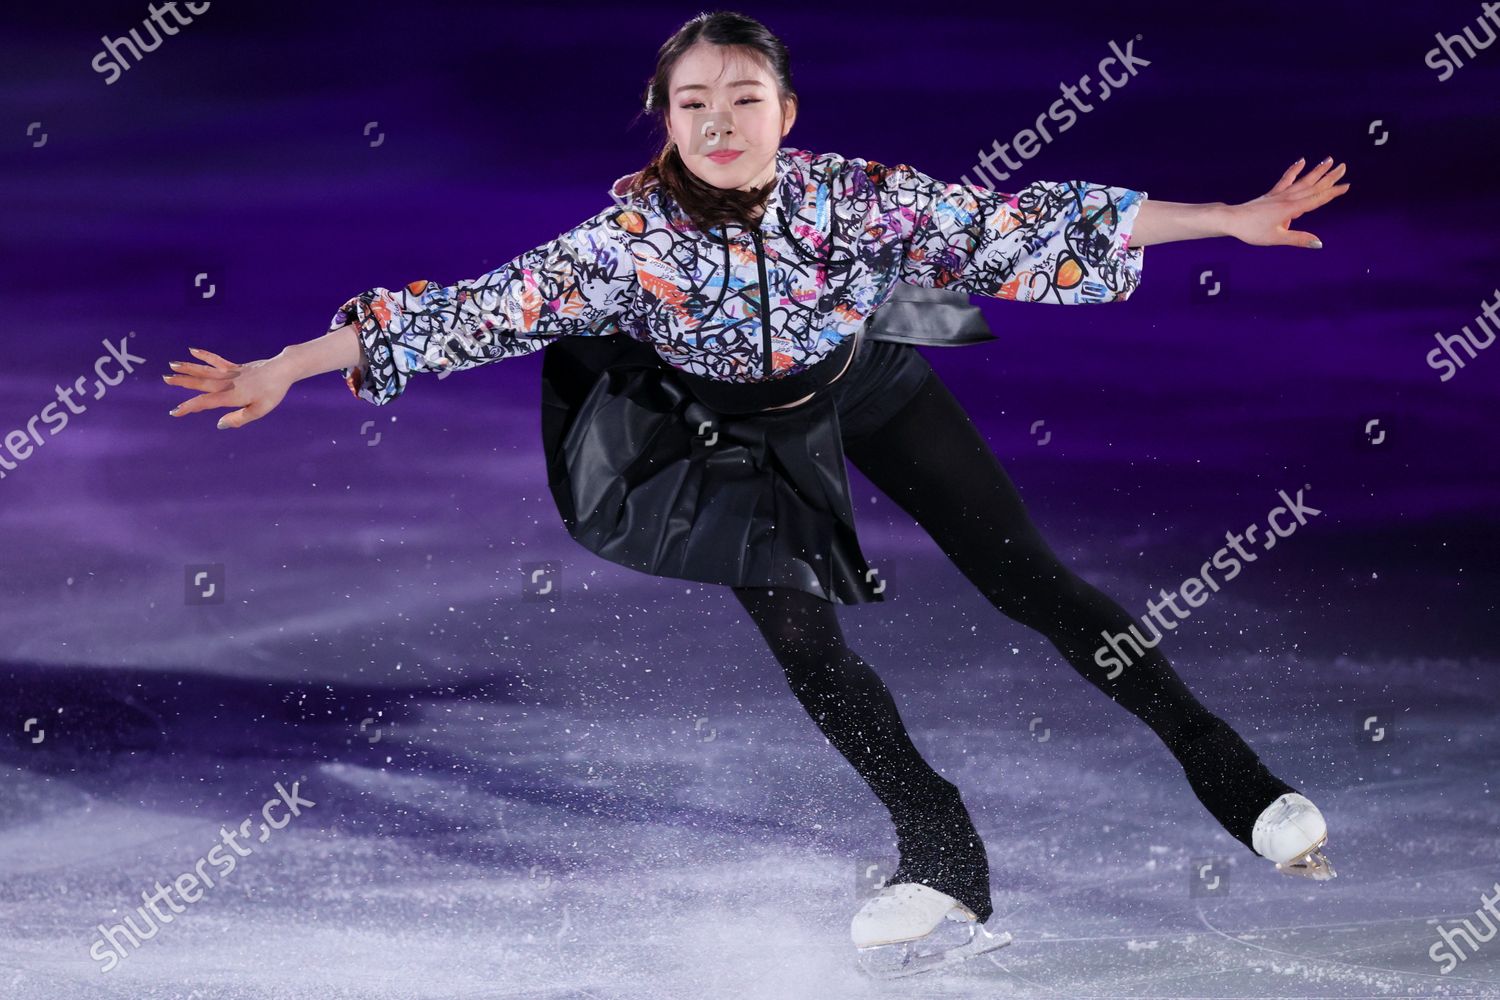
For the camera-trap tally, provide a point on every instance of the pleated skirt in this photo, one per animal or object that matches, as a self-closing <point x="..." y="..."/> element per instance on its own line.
<point x="647" y="476"/>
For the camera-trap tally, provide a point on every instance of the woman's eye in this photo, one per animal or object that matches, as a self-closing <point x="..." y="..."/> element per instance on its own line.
<point x="699" y="104"/>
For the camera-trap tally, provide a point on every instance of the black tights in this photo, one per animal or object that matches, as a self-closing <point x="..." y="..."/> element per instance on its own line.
<point x="932" y="461"/>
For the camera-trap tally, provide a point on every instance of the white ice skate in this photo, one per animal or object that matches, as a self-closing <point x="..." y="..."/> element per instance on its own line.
<point x="1291" y="832"/>
<point x="909" y="928"/>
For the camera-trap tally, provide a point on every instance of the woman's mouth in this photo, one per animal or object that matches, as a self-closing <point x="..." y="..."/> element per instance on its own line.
<point x="725" y="155"/>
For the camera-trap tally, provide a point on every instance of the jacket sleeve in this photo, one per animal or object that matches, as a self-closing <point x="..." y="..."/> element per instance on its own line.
<point x="583" y="282"/>
<point x="1053" y="241"/>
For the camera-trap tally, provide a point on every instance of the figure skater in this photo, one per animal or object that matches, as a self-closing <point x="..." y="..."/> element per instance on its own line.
<point x="701" y="389"/>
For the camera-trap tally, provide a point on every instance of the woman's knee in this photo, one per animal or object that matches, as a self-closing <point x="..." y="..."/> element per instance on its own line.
<point x="800" y="630"/>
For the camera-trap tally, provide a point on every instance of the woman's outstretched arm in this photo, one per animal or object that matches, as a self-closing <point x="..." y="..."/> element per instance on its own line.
<point x="582" y="282"/>
<point x="1261" y="222"/>
<point x="335" y="350"/>
<point x="1069" y="242"/>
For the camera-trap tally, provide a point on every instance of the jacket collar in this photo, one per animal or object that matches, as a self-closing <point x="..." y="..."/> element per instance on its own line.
<point x="787" y="196"/>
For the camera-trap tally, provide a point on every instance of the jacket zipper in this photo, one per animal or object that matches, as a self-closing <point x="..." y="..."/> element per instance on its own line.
<point x="765" y="302"/>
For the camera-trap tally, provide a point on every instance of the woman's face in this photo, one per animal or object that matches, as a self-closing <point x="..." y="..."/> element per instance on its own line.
<point x="715" y="78"/>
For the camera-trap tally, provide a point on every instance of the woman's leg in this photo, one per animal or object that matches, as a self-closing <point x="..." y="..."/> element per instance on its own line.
<point x="932" y="461"/>
<point x="855" y="710"/>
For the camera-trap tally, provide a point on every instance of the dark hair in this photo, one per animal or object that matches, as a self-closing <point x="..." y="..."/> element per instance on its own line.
<point x="705" y="204"/>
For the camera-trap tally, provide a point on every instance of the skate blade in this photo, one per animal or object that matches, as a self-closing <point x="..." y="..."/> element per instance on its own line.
<point x="910" y="958"/>
<point x="1311" y="863"/>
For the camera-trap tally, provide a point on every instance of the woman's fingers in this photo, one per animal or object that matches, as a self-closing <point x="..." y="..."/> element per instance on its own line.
<point x="1321" y="176"/>
<point x="1266" y="221"/>
<point x="207" y="401"/>
<point x="239" y="418"/>
<point x="201" y="384"/>
<point x="216" y="385"/>
<point x="249" y="391"/>
<point x="1288" y="177"/>
<point x="204" y="371"/>
<point x="211" y="358"/>
<point x="1314" y="199"/>
<point x="1312" y="177"/>
<point x="1331" y="194"/>
<point x="1331" y="177"/>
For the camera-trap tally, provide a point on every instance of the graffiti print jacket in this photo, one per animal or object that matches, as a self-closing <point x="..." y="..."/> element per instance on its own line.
<point x="837" y="238"/>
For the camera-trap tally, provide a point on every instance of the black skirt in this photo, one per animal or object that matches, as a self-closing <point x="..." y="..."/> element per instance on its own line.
<point x="647" y="476"/>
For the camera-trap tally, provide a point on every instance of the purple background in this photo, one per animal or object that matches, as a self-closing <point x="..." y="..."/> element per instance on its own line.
<point x="238" y="149"/>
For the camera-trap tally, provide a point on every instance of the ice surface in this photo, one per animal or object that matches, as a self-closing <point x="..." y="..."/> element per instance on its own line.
<point x="615" y="795"/>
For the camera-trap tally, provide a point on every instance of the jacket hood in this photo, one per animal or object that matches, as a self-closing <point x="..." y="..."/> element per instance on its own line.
<point x="618" y="193"/>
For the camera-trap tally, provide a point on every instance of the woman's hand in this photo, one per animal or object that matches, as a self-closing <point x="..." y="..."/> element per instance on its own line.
<point x="255" y="387"/>
<point x="1263" y="222"/>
